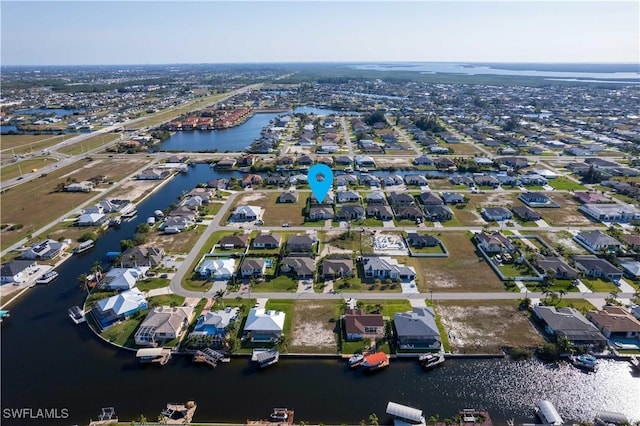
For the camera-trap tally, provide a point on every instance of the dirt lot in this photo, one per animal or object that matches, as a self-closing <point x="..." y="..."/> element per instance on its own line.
<point x="275" y="214"/>
<point x="486" y="326"/>
<point x="133" y="189"/>
<point x="452" y="273"/>
<point x="392" y="161"/>
<point x="314" y="327"/>
<point x="567" y="214"/>
<point x="566" y="241"/>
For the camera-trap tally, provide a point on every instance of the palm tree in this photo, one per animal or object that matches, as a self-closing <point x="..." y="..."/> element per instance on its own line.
<point x="219" y="295"/>
<point x="82" y="280"/>
<point x="434" y="419"/>
<point x="562" y="292"/>
<point x="373" y="419"/>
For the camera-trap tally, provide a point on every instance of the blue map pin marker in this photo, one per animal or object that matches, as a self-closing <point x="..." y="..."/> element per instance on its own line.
<point x="320" y="178"/>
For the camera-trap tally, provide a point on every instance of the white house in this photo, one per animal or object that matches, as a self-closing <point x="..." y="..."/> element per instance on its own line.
<point x="122" y="278"/>
<point x="17" y="271"/>
<point x="162" y="324"/>
<point x="246" y="213"/>
<point x="218" y="269"/>
<point x="264" y="326"/>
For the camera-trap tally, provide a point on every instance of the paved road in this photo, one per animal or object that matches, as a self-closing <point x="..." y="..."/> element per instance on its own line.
<point x="347" y="139"/>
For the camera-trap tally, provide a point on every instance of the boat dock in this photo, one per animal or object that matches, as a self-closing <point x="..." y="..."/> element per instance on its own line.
<point x="265" y="357"/>
<point x="211" y="357"/>
<point x="178" y="414"/>
<point x="154" y="355"/>
<point x="106" y="417"/>
<point x="289" y="419"/>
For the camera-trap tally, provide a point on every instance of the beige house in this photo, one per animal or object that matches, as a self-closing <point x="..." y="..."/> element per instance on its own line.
<point x="162" y="324"/>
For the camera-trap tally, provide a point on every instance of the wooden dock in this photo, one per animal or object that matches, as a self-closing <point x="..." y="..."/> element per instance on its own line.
<point x="209" y="356"/>
<point x="178" y="414"/>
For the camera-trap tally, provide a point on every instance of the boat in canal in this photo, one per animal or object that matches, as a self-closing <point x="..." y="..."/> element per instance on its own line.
<point x="77" y="315"/>
<point x="3" y="315"/>
<point x="635" y="362"/>
<point x="159" y="356"/>
<point x="547" y="412"/>
<point x="47" y="277"/>
<point x="279" y="415"/>
<point x="265" y="357"/>
<point x="356" y="360"/>
<point x="585" y="362"/>
<point x="375" y="361"/>
<point x="84" y="246"/>
<point x="430" y="360"/>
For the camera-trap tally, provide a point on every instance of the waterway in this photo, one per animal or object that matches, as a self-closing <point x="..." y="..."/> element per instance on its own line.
<point x="48" y="362"/>
<point x="234" y="139"/>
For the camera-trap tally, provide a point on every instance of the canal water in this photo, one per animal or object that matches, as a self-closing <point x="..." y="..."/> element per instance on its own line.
<point x="48" y="362"/>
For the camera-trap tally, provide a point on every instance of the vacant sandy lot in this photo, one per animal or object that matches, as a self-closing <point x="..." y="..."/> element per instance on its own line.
<point x="313" y="329"/>
<point x="486" y="326"/>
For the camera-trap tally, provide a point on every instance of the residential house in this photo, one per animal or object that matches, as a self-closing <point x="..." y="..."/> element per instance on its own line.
<point x="359" y="326"/>
<point x="176" y="224"/>
<point x="376" y="198"/>
<point x="234" y="241"/>
<point x="409" y="212"/>
<point x="416" y="180"/>
<point x="344" y="160"/>
<point x="569" y="323"/>
<point x="215" y="323"/>
<point x="595" y="241"/>
<point x="346" y="180"/>
<point x="370" y="180"/>
<point x="615" y="322"/>
<point x="420" y="241"/>
<point x="631" y="268"/>
<point x="438" y="213"/>
<point x="246" y="213"/>
<point x="429" y="199"/>
<point x="47" y="249"/>
<point x="119" y="307"/>
<point x="320" y="212"/>
<point x="365" y="161"/>
<point x="122" y="278"/>
<point x="326" y="160"/>
<point x="300" y="243"/>
<point x="537" y="199"/>
<point x="619" y="213"/>
<point x="328" y="199"/>
<point x="417" y="329"/>
<point x="494" y="242"/>
<point x="267" y="241"/>
<point x="393" y="180"/>
<point x="17" y="271"/>
<point x="151" y="174"/>
<point x="386" y="267"/>
<point x="486" y="180"/>
<point x="591" y="198"/>
<point x="380" y="212"/>
<point x="423" y="160"/>
<point x="558" y="265"/>
<point x="305" y="160"/>
<point x="286" y="160"/>
<point x="350" y="212"/>
<point x="632" y="240"/>
<point x="252" y="267"/>
<point x="400" y="199"/>
<point x="225" y="164"/>
<point x="335" y="268"/>
<point x="513" y="162"/>
<point x="162" y="324"/>
<point x="526" y="214"/>
<point x="217" y="268"/>
<point x="348" y="197"/>
<point x="264" y="325"/>
<point x="251" y="179"/>
<point x="496" y="214"/>
<point x="84" y="186"/>
<point x="141" y="256"/>
<point x="595" y="267"/>
<point x="461" y="180"/>
<point x="452" y="198"/>
<point x="92" y="219"/>
<point x="302" y="267"/>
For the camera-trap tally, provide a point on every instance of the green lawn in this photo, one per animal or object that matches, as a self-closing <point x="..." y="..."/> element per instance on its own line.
<point x="446" y="345"/>
<point x="436" y="249"/>
<point x="285" y="306"/>
<point x="123" y="333"/>
<point x="166" y="300"/>
<point x="562" y="183"/>
<point x="511" y="270"/>
<point x="152" y="283"/>
<point x="386" y="307"/>
<point x="282" y="283"/>
<point x="580" y="304"/>
<point x="599" y="285"/>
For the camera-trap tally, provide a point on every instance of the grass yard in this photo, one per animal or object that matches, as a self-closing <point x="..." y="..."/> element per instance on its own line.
<point x="582" y="305"/>
<point x="567" y="214"/>
<point x="123" y="333"/>
<point x="386" y="307"/>
<point x="452" y="273"/>
<point x="282" y="283"/>
<point x="315" y="326"/>
<point x="512" y="270"/>
<point x="562" y="183"/>
<point x="286" y="306"/>
<point x="166" y="300"/>
<point x="599" y="285"/>
<point x="180" y="243"/>
<point x="275" y="214"/>
<point x="486" y="326"/>
<point x="152" y="284"/>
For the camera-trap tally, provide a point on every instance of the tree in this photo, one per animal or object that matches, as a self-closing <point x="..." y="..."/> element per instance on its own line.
<point x="564" y="345"/>
<point x="373" y="419"/>
<point x="434" y="419"/>
<point x="82" y="280"/>
<point x="562" y="292"/>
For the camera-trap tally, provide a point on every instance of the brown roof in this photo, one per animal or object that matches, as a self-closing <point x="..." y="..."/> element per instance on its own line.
<point x="355" y="321"/>
<point x="614" y="319"/>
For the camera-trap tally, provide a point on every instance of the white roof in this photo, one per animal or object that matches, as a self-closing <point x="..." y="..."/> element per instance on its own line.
<point x="122" y="278"/>
<point x="260" y="319"/>
<point x="147" y="352"/>
<point x="548" y="413"/>
<point x="123" y="302"/>
<point x="218" y="267"/>
<point x="248" y="210"/>
<point x="409" y="413"/>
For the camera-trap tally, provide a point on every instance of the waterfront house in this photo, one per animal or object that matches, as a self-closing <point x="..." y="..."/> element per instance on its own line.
<point x="417" y="329"/>
<point x="305" y="160"/>
<point x="461" y="180"/>
<point x="246" y="213"/>
<point x="423" y="160"/>
<point x="344" y="160"/>
<point x="632" y="240"/>
<point x="569" y="323"/>
<point x="429" y="199"/>
<point x="213" y="325"/>
<point x="494" y="242"/>
<point x="346" y="180"/>
<point x="420" y="241"/>
<point x="452" y="198"/>
<point x="393" y="180"/>
<point x="151" y="174"/>
<point x="400" y="199"/>
<point x="416" y="180"/>
<point x="264" y="325"/>
<point x="320" y="212"/>
<point x="162" y="324"/>
<point x="496" y="214"/>
<point x="558" y="265"/>
<point x="217" y="268"/>
<point x="365" y="161"/>
<point x="380" y="212"/>
<point x="92" y="219"/>
<point x="595" y="241"/>
<point x="619" y="213"/>
<point x="370" y="180"/>
<point x="350" y="212"/>
<point x="277" y="181"/>
<point x="234" y="241"/>
<point x="300" y="243"/>
<point x="118" y="307"/>
<point x="251" y="179"/>
<point x="122" y="278"/>
<point x="359" y="326"/>
<point x="595" y="267"/>
<point x="176" y="224"/>
<point x="526" y="214"/>
<point x="615" y="322"/>
<point x="141" y="256"/>
<point x="47" y="249"/>
<point x="335" y="268"/>
<point x="267" y="241"/>
<point x="386" y="267"/>
<point x="17" y="271"/>
<point x="252" y="267"/>
<point x="225" y="164"/>
<point x="302" y="267"/>
<point x="486" y="180"/>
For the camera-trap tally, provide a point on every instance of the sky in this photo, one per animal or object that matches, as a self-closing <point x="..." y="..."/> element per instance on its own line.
<point x="160" y="32"/>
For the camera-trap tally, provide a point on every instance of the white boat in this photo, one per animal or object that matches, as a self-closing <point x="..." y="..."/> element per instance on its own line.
<point x="548" y="413"/>
<point x="635" y="362"/>
<point x="265" y="357"/>
<point x="84" y="246"/>
<point x="76" y="314"/>
<point x="586" y="362"/>
<point x="47" y="277"/>
<point x="356" y="360"/>
<point x="429" y="361"/>
<point x="279" y="414"/>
